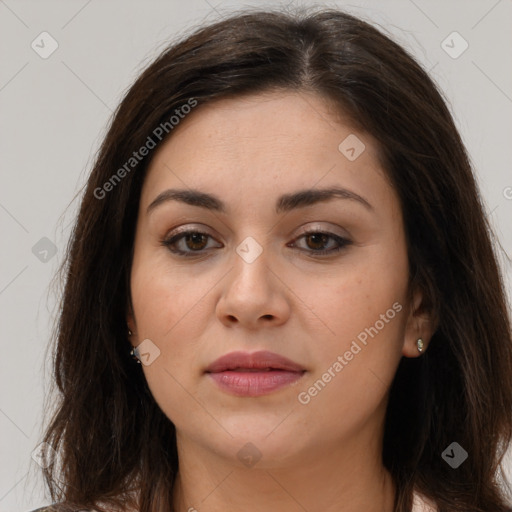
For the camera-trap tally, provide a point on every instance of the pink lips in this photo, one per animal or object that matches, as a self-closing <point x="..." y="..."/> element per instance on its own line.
<point x="256" y="374"/>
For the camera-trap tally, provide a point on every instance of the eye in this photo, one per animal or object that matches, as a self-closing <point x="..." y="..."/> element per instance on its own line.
<point x="193" y="243"/>
<point x="194" y="240"/>
<point x="317" y="240"/>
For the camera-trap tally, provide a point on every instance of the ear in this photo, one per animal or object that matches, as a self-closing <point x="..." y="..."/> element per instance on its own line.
<point x="420" y="324"/>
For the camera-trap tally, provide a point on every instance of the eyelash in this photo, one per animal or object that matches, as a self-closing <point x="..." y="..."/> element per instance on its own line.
<point x="170" y="242"/>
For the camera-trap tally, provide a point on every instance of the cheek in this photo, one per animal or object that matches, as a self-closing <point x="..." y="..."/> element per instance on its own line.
<point x="166" y="312"/>
<point x="363" y="308"/>
<point x="163" y="304"/>
<point x="163" y="294"/>
<point x="358" y="292"/>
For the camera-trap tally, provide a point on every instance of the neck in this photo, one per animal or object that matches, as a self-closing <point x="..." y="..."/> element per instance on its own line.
<point x="333" y="477"/>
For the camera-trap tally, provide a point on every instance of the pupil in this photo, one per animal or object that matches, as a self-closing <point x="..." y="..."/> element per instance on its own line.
<point x="195" y="238"/>
<point x="320" y="238"/>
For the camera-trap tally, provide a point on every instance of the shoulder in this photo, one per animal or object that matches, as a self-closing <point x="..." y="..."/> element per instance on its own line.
<point x="48" y="508"/>
<point x="57" y="507"/>
<point x="70" y="507"/>
<point x="422" y="504"/>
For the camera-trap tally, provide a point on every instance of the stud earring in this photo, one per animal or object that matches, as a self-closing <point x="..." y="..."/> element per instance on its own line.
<point x="419" y="344"/>
<point x="135" y="353"/>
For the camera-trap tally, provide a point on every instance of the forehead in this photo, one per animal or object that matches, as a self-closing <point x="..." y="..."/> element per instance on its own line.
<point x="283" y="121"/>
<point x="262" y="143"/>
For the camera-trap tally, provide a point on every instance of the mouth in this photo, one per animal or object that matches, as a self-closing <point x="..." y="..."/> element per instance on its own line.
<point x="253" y="370"/>
<point x="256" y="374"/>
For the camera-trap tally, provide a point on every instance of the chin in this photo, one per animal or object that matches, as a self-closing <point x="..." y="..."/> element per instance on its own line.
<point x="259" y="443"/>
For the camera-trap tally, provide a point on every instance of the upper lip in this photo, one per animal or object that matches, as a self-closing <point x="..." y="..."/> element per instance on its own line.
<point x="255" y="360"/>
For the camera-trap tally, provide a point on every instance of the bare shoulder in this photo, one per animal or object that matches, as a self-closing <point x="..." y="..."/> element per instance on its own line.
<point x="59" y="507"/>
<point x="69" y="507"/>
<point x="422" y="504"/>
<point x="48" y="508"/>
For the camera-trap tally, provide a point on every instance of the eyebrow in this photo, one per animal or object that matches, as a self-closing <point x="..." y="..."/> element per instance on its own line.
<point x="284" y="203"/>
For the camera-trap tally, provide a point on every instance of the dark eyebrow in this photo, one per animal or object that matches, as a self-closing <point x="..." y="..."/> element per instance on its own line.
<point x="307" y="197"/>
<point x="285" y="203"/>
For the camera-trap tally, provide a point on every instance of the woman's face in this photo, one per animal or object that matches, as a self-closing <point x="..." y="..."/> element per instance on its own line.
<point x="253" y="280"/>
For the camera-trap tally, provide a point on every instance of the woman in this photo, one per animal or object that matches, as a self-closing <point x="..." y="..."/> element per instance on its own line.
<point x="281" y="288"/>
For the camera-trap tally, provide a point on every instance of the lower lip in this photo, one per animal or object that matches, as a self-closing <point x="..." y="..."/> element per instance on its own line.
<point x="254" y="383"/>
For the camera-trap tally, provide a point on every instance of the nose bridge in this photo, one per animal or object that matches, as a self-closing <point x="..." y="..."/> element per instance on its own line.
<point x="252" y="291"/>
<point x="250" y="250"/>
<point x="251" y="263"/>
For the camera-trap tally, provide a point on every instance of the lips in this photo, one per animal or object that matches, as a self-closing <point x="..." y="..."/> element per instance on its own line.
<point x="252" y="375"/>
<point x="257" y="361"/>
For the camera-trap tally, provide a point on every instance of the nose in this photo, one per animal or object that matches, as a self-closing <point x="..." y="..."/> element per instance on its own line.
<point x="253" y="295"/>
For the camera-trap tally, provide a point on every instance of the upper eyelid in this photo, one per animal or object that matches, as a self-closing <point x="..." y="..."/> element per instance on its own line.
<point x="302" y="230"/>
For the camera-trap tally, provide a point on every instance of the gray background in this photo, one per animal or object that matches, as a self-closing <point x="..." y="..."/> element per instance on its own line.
<point x="54" y="114"/>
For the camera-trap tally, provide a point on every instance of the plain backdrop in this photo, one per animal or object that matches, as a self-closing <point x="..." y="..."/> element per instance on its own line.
<point x="54" y="111"/>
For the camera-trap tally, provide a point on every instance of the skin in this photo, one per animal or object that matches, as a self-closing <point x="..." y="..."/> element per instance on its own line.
<point x="324" y="455"/>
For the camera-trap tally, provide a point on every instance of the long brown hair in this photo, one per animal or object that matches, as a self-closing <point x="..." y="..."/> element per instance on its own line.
<point x="115" y="446"/>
